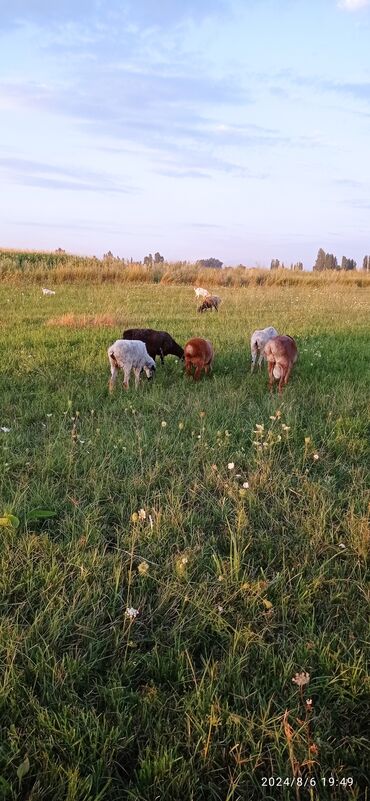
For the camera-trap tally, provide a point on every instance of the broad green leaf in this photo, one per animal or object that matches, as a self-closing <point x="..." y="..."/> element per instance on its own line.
<point x="9" y="521"/>
<point x="40" y="514"/>
<point x="23" y="768"/>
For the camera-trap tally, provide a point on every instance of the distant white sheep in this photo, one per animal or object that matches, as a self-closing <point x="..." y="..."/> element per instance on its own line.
<point x="127" y="355"/>
<point x="259" y="339"/>
<point x="201" y="293"/>
<point x="47" y="291"/>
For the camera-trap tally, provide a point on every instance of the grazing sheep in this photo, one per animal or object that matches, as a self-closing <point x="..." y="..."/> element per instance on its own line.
<point x="47" y="291"/>
<point x="198" y="353"/>
<point x="210" y="302"/>
<point x="129" y="355"/>
<point x="258" y="342"/>
<point x="158" y="343"/>
<point x="201" y="293"/>
<point x="281" y="353"/>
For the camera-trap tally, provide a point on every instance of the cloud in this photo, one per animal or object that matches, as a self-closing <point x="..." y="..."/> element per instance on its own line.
<point x="143" y="13"/>
<point x="353" y="5"/>
<point x="51" y="176"/>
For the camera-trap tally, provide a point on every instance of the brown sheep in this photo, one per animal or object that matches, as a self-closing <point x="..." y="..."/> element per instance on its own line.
<point x="158" y="343"/>
<point x="210" y="302"/>
<point x="198" y="353"/>
<point x="281" y="353"/>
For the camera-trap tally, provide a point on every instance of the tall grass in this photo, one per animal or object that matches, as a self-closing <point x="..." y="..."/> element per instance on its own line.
<point x="39" y="268"/>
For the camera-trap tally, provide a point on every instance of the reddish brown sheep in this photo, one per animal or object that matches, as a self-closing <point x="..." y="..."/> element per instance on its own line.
<point x="281" y="353"/>
<point x="198" y="353"/>
<point x="210" y="302"/>
<point x="158" y="343"/>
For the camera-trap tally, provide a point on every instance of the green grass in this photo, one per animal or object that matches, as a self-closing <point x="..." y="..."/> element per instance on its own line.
<point x="238" y="589"/>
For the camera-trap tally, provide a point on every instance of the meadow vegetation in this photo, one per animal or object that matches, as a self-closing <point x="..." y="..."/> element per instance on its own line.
<point x="37" y="267"/>
<point x="182" y="568"/>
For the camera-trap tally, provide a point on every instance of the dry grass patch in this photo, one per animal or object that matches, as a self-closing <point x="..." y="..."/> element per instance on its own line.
<point x="86" y="321"/>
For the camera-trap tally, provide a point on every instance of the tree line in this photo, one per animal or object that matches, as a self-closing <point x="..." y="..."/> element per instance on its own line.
<point x="324" y="261"/>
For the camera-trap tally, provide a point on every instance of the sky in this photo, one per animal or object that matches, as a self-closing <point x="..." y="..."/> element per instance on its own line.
<point x="238" y="129"/>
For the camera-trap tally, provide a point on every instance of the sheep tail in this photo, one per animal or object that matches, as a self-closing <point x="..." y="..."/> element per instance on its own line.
<point x="113" y="358"/>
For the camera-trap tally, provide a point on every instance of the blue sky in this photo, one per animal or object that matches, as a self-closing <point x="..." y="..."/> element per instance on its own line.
<point x="238" y="129"/>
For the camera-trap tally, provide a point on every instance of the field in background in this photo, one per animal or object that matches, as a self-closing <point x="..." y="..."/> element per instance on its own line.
<point x="59" y="268"/>
<point x="235" y="523"/>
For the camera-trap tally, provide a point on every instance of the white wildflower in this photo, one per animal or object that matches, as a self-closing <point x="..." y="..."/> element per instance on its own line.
<point x="231" y="466"/>
<point x="246" y="485"/>
<point x="131" y="612"/>
<point x="142" y="514"/>
<point x="301" y="679"/>
<point x="5" y="429"/>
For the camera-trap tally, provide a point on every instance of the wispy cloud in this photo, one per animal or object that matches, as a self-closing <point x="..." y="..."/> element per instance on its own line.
<point x="353" y="5"/>
<point x="139" y="12"/>
<point x="51" y="176"/>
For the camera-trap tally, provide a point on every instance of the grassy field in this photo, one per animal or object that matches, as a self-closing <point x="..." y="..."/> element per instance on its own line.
<point x="237" y="588"/>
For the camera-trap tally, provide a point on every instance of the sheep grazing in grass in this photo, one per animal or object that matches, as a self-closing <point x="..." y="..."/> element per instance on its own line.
<point x="201" y="293"/>
<point x="198" y="353"/>
<point x="129" y="355"/>
<point x="47" y="291"/>
<point x="158" y="343"/>
<point x="210" y="302"/>
<point x="258" y="342"/>
<point x="281" y="354"/>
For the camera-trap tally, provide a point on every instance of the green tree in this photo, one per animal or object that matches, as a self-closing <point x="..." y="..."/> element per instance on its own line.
<point x="348" y="264"/>
<point x="366" y="264"/>
<point x="158" y="259"/>
<point x="275" y="264"/>
<point x="320" y="260"/>
<point x="216" y="264"/>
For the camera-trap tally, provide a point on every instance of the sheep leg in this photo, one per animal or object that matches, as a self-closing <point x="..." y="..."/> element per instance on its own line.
<point x="287" y="374"/>
<point x="126" y="376"/>
<point x="260" y="360"/>
<point x="271" y="375"/>
<point x="161" y="356"/>
<point x="113" y="377"/>
<point x="197" y="373"/>
<point x="188" y="366"/>
<point x="137" y="372"/>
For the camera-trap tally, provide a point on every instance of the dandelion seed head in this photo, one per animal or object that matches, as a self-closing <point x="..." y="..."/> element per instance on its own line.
<point x="316" y="456"/>
<point x="246" y="485"/>
<point x="231" y="466"/>
<point x="143" y="568"/>
<point x="163" y="424"/>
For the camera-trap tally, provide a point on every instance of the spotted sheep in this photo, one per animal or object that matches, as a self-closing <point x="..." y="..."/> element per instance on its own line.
<point x="258" y="342"/>
<point x="129" y="355"/>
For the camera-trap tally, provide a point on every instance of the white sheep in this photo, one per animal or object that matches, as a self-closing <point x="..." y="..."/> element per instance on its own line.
<point x="127" y="355"/>
<point x="259" y="339"/>
<point x="201" y="293"/>
<point x="47" y="291"/>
